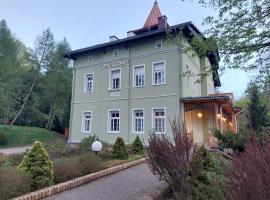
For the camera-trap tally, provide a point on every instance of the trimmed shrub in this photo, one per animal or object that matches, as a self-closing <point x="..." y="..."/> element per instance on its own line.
<point x="106" y="152"/>
<point x="137" y="146"/>
<point x="85" y="145"/>
<point x="13" y="182"/>
<point x="3" y="138"/>
<point x="60" y="149"/>
<point x="66" y="169"/>
<point x="89" y="163"/>
<point x="36" y="162"/>
<point x="119" y="149"/>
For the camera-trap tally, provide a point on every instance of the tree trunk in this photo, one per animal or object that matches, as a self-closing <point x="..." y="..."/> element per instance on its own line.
<point x="24" y="102"/>
<point x="49" y="118"/>
<point x="51" y="122"/>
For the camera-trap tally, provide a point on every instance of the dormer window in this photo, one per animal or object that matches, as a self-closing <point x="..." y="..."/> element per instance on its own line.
<point x="116" y="53"/>
<point x="159" y="44"/>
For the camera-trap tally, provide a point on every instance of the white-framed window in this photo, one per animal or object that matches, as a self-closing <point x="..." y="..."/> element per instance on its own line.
<point x="113" y="121"/>
<point x="158" y="73"/>
<point x="139" y="75"/>
<point x="89" y="82"/>
<point x="159" y="120"/>
<point x="115" y="53"/>
<point x="159" y="44"/>
<point x="87" y="122"/>
<point x="115" y="79"/>
<point x="138" y="120"/>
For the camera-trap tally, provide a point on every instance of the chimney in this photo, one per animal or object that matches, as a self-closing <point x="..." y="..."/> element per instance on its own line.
<point x="162" y="22"/>
<point x="113" y="38"/>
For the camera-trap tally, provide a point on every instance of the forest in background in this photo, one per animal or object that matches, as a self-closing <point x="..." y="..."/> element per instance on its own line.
<point x="35" y="84"/>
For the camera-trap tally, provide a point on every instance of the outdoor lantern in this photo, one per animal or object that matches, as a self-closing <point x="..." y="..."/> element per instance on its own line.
<point x="97" y="146"/>
<point x="199" y="115"/>
<point x="218" y="116"/>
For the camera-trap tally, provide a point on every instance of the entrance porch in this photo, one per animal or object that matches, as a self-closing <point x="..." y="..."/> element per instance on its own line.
<point x="203" y="114"/>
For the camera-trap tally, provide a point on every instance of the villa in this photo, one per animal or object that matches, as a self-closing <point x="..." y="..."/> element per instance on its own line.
<point x="136" y="85"/>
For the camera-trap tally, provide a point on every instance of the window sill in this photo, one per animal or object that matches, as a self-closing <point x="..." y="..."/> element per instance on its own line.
<point x="158" y="84"/>
<point x="137" y="133"/>
<point x="114" y="132"/>
<point x="114" y="92"/>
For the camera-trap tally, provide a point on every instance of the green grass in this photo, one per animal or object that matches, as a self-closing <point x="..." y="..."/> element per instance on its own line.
<point x="22" y="136"/>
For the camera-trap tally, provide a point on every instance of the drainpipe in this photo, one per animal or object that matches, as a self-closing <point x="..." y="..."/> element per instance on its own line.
<point x="72" y="102"/>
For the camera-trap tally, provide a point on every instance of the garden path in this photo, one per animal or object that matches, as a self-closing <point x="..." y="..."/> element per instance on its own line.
<point x="15" y="150"/>
<point x="136" y="183"/>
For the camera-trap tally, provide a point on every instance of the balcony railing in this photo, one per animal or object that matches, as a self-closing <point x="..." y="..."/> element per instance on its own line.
<point x="115" y="92"/>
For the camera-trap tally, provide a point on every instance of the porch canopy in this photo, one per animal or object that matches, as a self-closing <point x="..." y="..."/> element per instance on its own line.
<point x="203" y="113"/>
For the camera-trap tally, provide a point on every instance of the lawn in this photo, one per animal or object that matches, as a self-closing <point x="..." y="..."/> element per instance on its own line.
<point x="22" y="136"/>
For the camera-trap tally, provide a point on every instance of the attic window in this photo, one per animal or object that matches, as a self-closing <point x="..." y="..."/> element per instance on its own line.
<point x="90" y="59"/>
<point x="116" y="53"/>
<point x="159" y="44"/>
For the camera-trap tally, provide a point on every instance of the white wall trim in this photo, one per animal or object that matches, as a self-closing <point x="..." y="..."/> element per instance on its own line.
<point x="83" y="119"/>
<point x="108" y="121"/>
<point x="133" y="76"/>
<point x="153" y="81"/>
<point x="158" y="96"/>
<point x="132" y="118"/>
<point x="165" y="115"/>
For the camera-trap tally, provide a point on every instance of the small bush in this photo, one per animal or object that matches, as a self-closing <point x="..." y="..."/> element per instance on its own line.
<point x="249" y="173"/>
<point x="119" y="149"/>
<point x="66" y="169"/>
<point x="2" y="158"/>
<point x="231" y="140"/>
<point x="36" y="162"/>
<point x="137" y="146"/>
<point x="86" y="143"/>
<point x="60" y="149"/>
<point x="105" y="153"/>
<point x="211" y="184"/>
<point x="14" y="160"/>
<point x="89" y="163"/>
<point x="3" y="138"/>
<point x="13" y="182"/>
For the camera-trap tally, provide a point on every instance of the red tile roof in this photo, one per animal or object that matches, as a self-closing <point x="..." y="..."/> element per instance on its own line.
<point x="153" y="16"/>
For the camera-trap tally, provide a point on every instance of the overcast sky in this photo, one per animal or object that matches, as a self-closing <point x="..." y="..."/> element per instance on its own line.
<point x="88" y="22"/>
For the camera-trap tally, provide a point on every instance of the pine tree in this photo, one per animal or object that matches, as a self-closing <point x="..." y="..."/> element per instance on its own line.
<point x="39" y="166"/>
<point x="137" y="146"/>
<point x="257" y="111"/>
<point x="119" y="149"/>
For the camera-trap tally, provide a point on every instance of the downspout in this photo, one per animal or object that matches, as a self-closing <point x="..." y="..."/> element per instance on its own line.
<point x="129" y="79"/>
<point x="72" y="102"/>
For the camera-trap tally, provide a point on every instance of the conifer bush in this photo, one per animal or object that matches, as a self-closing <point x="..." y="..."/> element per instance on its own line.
<point x="38" y="165"/>
<point x="137" y="146"/>
<point x="119" y="150"/>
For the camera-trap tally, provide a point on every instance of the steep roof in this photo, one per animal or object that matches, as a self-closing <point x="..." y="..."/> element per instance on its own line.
<point x="153" y="16"/>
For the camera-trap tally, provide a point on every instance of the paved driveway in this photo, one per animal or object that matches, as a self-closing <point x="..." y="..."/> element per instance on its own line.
<point x="136" y="183"/>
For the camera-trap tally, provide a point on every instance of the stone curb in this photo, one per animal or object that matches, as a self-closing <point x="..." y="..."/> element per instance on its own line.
<point x="48" y="191"/>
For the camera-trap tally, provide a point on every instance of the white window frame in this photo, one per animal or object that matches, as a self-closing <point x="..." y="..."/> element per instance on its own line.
<point x="161" y="44"/>
<point x="153" y="121"/>
<point x="133" y="121"/>
<point x="109" y="121"/>
<point x="114" y="53"/>
<point x="83" y="122"/>
<point x="134" y="75"/>
<point x="153" y="77"/>
<point x="86" y="82"/>
<point x="110" y="79"/>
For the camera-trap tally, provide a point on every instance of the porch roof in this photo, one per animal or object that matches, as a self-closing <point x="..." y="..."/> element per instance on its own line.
<point x="205" y="101"/>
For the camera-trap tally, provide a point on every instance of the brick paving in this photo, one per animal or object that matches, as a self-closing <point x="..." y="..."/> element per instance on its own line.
<point x="135" y="183"/>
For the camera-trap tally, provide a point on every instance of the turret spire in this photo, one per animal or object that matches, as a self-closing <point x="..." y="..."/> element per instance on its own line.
<point x="153" y="16"/>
